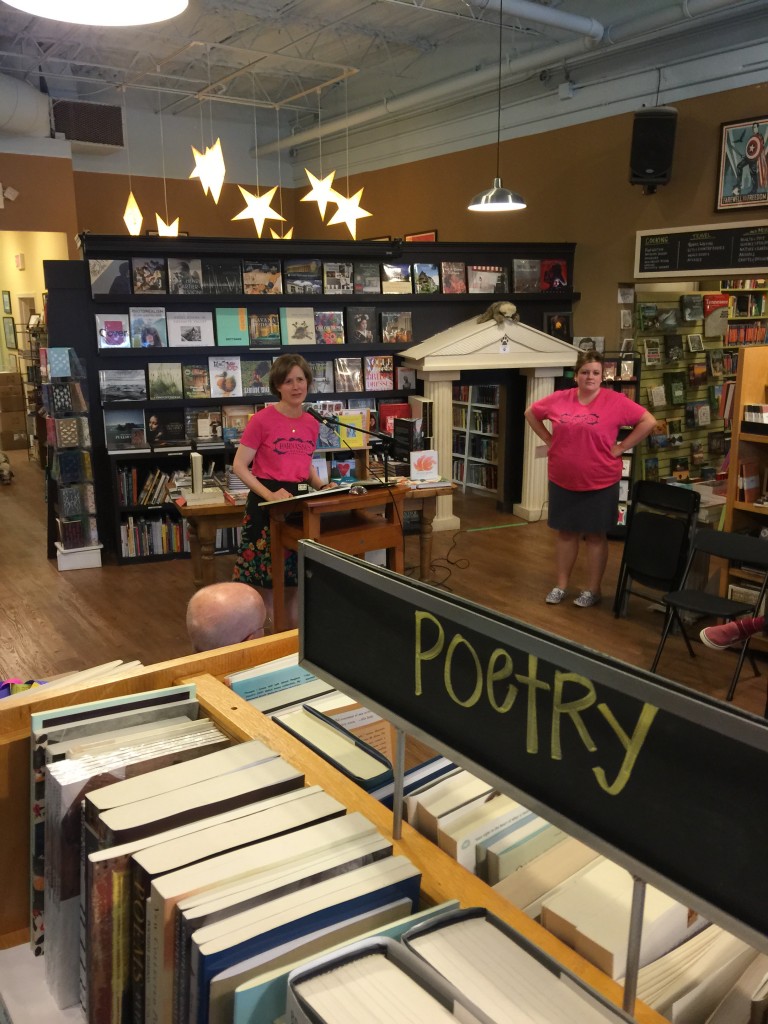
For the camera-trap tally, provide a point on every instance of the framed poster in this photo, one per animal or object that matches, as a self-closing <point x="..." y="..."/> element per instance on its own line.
<point x="6" y="302"/>
<point x="9" y="331"/>
<point x="743" y="166"/>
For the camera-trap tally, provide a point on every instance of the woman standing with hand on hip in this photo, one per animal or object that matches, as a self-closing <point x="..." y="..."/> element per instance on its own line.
<point x="584" y="469"/>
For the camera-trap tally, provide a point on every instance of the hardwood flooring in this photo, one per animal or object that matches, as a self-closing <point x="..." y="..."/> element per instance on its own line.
<point x="53" y="622"/>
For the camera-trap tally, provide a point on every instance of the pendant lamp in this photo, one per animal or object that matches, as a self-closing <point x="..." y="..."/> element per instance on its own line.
<point x="96" y="12"/>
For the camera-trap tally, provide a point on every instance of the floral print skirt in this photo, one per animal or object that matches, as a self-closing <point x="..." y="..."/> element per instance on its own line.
<point x="254" y="557"/>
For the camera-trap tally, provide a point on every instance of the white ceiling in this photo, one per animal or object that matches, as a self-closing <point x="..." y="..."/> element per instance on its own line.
<point x="355" y="71"/>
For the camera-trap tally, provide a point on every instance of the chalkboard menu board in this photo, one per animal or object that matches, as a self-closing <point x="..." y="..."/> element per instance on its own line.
<point x="703" y="250"/>
<point x="664" y="781"/>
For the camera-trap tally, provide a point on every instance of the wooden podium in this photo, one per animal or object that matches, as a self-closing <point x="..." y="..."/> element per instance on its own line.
<point x="353" y="523"/>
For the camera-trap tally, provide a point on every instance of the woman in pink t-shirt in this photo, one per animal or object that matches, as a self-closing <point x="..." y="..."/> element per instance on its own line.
<point x="584" y="468"/>
<point x="274" y="457"/>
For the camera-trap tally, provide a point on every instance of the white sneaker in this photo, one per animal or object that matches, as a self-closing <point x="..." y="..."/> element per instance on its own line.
<point x="586" y="599"/>
<point x="555" y="596"/>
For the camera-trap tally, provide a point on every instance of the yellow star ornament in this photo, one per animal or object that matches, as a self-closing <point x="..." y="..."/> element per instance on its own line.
<point x="171" y="230"/>
<point x="349" y="212"/>
<point x="258" y="208"/>
<point x="275" y="234"/>
<point x="210" y="169"/>
<point x="132" y="216"/>
<point x="321" y="192"/>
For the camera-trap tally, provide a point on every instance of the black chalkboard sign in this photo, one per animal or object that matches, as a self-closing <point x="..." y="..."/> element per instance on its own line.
<point x="663" y="781"/>
<point x="692" y="252"/>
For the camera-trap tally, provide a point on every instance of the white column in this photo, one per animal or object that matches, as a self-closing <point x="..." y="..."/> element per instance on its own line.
<point x="438" y="386"/>
<point x="541" y="382"/>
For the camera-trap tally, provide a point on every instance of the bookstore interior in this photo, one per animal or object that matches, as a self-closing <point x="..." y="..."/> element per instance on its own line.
<point x="287" y="830"/>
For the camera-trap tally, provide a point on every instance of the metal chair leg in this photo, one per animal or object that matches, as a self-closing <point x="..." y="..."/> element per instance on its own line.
<point x="739" y="666"/>
<point x="664" y="635"/>
<point x="681" y="624"/>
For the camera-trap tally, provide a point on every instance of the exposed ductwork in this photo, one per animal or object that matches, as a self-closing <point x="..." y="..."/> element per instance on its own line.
<point x="23" y="109"/>
<point x="677" y="15"/>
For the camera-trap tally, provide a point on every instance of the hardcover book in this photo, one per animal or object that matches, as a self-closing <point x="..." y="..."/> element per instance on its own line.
<point x="405" y="378"/>
<point x="715" y="315"/>
<point x="362" y="328"/>
<point x="348" y="373"/>
<point x="112" y="330"/>
<point x="322" y="376"/>
<point x="673" y="348"/>
<point x="302" y="276"/>
<point x="351" y="426"/>
<point x="329" y="327"/>
<point x="397" y="327"/>
<point x="697" y="374"/>
<point x="262" y="277"/>
<point x="396" y="278"/>
<point x="185" y="277"/>
<point x="454" y="277"/>
<point x="232" y="326"/>
<point x="124" y="429"/>
<point x="695" y="343"/>
<point x="674" y="386"/>
<point x="166" y="428"/>
<point x="692" y="308"/>
<point x="553" y="275"/>
<point x="203" y="424"/>
<point x="652" y="351"/>
<point x="112" y="277"/>
<point x="367" y="278"/>
<point x="338" y="278"/>
<point x="715" y="363"/>
<point x="255" y="376"/>
<point x="651" y="468"/>
<point x="149" y="275"/>
<point x="148" y="328"/>
<point x="222" y="275"/>
<point x="426" y="278"/>
<point x="225" y="376"/>
<point x="195" y="380"/>
<point x="487" y="280"/>
<point x="190" y="329"/>
<point x="297" y="325"/>
<point x="264" y="328"/>
<point x="165" y="380"/>
<point x="379" y="373"/>
<point x="122" y="386"/>
<point x="525" y="275"/>
<point x="234" y="419"/>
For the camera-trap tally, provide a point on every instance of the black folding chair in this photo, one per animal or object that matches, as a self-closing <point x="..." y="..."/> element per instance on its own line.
<point x="660" y="527"/>
<point x="740" y="551"/>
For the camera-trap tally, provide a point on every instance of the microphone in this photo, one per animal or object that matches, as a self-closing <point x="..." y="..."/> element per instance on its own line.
<point x="327" y="421"/>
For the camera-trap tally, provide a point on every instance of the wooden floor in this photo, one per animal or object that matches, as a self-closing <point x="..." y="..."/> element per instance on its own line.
<point x="53" y="622"/>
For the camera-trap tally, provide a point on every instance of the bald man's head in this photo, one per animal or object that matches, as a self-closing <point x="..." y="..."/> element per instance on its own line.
<point x="223" y="614"/>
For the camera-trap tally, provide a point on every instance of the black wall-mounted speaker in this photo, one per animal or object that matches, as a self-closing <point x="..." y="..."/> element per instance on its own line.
<point x="653" y="144"/>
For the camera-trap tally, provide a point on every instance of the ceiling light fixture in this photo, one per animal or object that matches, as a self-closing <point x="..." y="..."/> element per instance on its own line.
<point x="96" y="12"/>
<point x="497" y="199"/>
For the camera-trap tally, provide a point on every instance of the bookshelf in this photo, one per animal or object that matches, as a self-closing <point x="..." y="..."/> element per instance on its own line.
<point x="478" y="436"/>
<point x="442" y="877"/>
<point x="747" y="310"/>
<point x="377" y="324"/>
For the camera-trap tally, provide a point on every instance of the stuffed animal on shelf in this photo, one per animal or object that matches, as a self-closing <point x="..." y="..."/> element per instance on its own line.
<point x="500" y="311"/>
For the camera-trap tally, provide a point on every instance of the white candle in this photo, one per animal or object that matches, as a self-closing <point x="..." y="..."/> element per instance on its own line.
<point x="196" y="461"/>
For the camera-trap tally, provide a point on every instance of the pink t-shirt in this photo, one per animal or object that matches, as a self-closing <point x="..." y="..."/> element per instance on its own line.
<point x="284" y="446"/>
<point x="582" y="436"/>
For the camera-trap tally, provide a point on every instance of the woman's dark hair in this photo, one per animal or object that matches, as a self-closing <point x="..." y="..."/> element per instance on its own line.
<point x="587" y="356"/>
<point x="282" y="366"/>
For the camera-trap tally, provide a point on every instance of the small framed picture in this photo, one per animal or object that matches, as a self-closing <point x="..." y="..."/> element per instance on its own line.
<point x="35" y="320"/>
<point x="422" y="236"/>
<point x="558" y="325"/>
<point x="9" y="332"/>
<point x="741" y="180"/>
<point x="695" y="343"/>
<point x="6" y="302"/>
<point x="626" y="319"/>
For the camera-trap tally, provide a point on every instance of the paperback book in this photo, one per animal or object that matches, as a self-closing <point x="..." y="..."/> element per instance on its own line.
<point x="149" y="275"/>
<point x="302" y="276"/>
<point x="185" y="276"/>
<point x="232" y="326"/>
<point x="148" y="328"/>
<point x="362" y="328"/>
<point x="165" y="380"/>
<point x="262" y="277"/>
<point x="329" y="327"/>
<point x="190" y="329"/>
<point x="122" y="386"/>
<point x="297" y="325"/>
<point x="264" y="328"/>
<point x="225" y="375"/>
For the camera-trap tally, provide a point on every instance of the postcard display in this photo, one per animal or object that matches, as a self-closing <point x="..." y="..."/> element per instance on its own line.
<point x="72" y="531"/>
<point x="177" y="336"/>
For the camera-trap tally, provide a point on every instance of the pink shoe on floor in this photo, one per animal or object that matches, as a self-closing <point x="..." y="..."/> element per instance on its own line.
<point x="719" y="638"/>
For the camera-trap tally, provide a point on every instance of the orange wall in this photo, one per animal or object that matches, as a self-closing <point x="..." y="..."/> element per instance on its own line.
<point x="574" y="181"/>
<point x="46" y="200"/>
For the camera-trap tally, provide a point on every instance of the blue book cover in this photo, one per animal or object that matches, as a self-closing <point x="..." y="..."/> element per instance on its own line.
<point x="254" y="684"/>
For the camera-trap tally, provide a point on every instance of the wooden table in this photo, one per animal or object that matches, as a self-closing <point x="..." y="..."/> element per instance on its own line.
<point x="205" y="520"/>
<point x="353" y="523"/>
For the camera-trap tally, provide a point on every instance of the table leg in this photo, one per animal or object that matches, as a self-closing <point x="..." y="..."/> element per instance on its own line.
<point x="278" y="576"/>
<point x="428" y="511"/>
<point x="195" y="554"/>
<point x="205" y="570"/>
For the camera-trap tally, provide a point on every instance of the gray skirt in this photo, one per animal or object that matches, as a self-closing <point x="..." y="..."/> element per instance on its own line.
<point x="583" y="511"/>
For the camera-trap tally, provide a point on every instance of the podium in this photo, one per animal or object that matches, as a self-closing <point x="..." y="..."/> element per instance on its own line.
<point x="352" y="523"/>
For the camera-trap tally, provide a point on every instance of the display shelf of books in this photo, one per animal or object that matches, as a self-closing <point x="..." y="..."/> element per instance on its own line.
<point x="69" y="463"/>
<point x="746" y="506"/>
<point x="687" y="378"/>
<point x="29" y="364"/>
<point x="478" y="442"/>
<point x="747" y="310"/>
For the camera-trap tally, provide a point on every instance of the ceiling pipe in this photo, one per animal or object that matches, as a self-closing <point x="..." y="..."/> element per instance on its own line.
<point x="550" y="16"/>
<point x="24" y="110"/>
<point x="470" y="83"/>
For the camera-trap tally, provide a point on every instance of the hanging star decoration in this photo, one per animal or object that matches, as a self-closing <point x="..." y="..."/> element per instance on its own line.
<point x="210" y="169"/>
<point x="349" y="211"/>
<point x="258" y="208"/>
<point x="132" y="216"/>
<point x="288" y="234"/>
<point x="321" y="192"/>
<point x="170" y="230"/>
